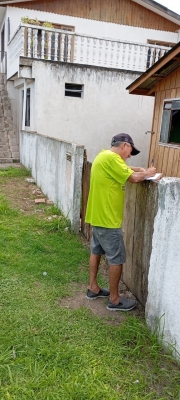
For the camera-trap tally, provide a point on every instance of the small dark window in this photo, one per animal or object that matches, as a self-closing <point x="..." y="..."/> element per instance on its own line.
<point x="170" y="126"/>
<point x="2" y="43"/>
<point x="27" y="115"/>
<point x="27" y="111"/>
<point x="73" y="90"/>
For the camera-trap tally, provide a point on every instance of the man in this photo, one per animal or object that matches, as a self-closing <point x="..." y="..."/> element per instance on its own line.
<point x="109" y="174"/>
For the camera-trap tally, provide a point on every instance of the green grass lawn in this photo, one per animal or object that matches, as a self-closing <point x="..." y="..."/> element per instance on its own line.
<point x="50" y="352"/>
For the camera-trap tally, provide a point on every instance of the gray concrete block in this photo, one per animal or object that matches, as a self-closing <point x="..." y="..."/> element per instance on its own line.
<point x="4" y="147"/>
<point x="11" y="134"/>
<point x="14" y="148"/>
<point x="15" y="155"/>
<point x="6" y="160"/>
<point x="7" y="154"/>
<point x="13" y="142"/>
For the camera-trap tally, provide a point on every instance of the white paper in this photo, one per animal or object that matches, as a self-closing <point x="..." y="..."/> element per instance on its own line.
<point x="154" y="178"/>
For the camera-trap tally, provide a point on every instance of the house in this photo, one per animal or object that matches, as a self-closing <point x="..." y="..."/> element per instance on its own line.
<point x="67" y="65"/>
<point x="162" y="81"/>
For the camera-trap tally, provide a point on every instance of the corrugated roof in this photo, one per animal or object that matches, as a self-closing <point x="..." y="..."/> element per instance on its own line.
<point x="160" y="70"/>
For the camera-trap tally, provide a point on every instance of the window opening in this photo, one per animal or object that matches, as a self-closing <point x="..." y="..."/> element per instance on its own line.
<point x="170" y="126"/>
<point x="73" y="90"/>
<point x="2" y="43"/>
<point x="27" y="111"/>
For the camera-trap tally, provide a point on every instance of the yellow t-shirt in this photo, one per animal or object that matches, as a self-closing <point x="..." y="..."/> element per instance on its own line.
<point x="105" y="205"/>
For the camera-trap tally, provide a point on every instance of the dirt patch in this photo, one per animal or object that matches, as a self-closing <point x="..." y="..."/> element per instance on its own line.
<point x="22" y="194"/>
<point x="98" y="306"/>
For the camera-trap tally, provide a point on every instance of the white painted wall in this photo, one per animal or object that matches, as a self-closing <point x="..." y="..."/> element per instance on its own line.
<point x="162" y="307"/>
<point x="105" y="109"/>
<point x="91" y="27"/>
<point x="58" y="177"/>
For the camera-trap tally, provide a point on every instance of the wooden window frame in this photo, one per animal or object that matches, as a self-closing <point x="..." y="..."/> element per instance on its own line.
<point x="166" y="121"/>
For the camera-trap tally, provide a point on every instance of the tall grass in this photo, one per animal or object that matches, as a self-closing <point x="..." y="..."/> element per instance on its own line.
<point x="51" y="352"/>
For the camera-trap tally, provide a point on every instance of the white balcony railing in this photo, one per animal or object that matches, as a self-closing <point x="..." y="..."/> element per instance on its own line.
<point x="57" y="45"/>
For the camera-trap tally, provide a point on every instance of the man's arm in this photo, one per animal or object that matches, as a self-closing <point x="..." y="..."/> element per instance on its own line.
<point x="139" y="176"/>
<point x="138" y="169"/>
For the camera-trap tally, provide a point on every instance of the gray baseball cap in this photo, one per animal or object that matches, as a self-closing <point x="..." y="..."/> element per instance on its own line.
<point x="124" y="137"/>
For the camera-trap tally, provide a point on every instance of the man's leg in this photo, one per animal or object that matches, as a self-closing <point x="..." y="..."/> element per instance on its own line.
<point x="115" y="272"/>
<point x="93" y="270"/>
<point x="115" y="301"/>
<point x="94" y="290"/>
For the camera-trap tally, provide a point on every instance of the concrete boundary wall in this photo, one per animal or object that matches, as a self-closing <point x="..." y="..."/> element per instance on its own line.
<point x="163" y="301"/>
<point x="152" y="239"/>
<point x="56" y="167"/>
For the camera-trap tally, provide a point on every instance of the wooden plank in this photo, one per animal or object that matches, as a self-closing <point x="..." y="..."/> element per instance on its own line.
<point x="177" y="84"/>
<point x="178" y="169"/>
<point x="170" y="161"/>
<point x="136" y="275"/>
<point x="167" y="82"/>
<point x="165" y="160"/>
<point x="85" y="228"/>
<point x="173" y="80"/>
<point x="128" y="222"/>
<point x="156" y="128"/>
<point x="162" y="97"/>
<point x="160" y="156"/>
<point x="162" y="85"/>
<point x="173" y="93"/>
<point x="178" y="92"/>
<point x="175" y="170"/>
<point x="167" y="94"/>
<point x="128" y="13"/>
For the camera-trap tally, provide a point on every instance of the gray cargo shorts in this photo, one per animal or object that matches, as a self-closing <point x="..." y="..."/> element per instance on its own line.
<point x="108" y="241"/>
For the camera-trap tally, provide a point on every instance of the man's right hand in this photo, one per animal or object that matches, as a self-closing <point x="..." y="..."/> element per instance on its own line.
<point x="142" y="175"/>
<point x="150" y="171"/>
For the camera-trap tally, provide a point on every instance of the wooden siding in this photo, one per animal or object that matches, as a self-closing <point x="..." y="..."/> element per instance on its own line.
<point x="123" y="12"/>
<point x="140" y="209"/>
<point x="166" y="157"/>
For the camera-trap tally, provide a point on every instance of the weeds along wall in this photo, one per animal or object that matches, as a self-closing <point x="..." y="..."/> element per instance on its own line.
<point x="152" y="239"/>
<point x="56" y="167"/>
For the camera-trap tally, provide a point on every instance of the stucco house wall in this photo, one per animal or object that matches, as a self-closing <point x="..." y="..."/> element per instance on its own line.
<point x="93" y="119"/>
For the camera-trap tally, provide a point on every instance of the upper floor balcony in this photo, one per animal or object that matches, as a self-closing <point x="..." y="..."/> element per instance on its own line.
<point x="43" y="43"/>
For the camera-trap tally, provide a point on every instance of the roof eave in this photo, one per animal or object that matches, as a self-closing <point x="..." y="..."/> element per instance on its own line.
<point x="6" y="3"/>
<point x="160" y="10"/>
<point x="143" y="92"/>
<point x="134" y="87"/>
